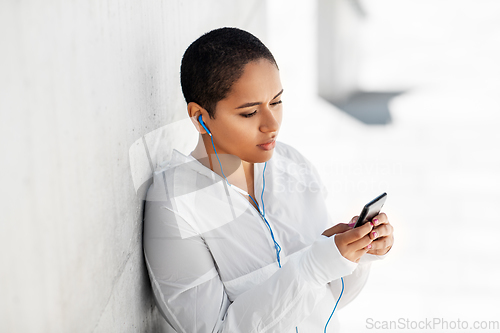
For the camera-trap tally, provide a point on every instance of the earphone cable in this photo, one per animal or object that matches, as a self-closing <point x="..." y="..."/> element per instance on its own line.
<point x="341" y="292"/>
<point x="277" y="247"/>
<point x="263" y="213"/>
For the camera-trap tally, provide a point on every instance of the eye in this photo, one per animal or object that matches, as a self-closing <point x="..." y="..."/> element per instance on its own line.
<point x="249" y="115"/>
<point x="276" y="103"/>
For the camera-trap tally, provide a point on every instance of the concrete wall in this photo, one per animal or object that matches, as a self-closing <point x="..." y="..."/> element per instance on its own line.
<point x="339" y="58"/>
<point x="80" y="83"/>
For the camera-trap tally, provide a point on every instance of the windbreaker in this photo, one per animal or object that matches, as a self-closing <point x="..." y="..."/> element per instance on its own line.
<point x="212" y="260"/>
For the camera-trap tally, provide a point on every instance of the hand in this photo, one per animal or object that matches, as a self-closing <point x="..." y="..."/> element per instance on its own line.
<point x="382" y="235"/>
<point x="352" y="243"/>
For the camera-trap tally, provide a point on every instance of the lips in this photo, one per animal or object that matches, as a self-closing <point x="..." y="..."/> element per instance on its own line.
<point x="267" y="145"/>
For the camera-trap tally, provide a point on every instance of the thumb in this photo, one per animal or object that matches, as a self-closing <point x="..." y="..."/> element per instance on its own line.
<point x="353" y="222"/>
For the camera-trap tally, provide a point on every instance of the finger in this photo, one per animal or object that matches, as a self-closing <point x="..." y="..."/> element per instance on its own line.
<point x="362" y="244"/>
<point x="382" y="230"/>
<point x="353" y="221"/>
<point x="355" y="234"/>
<point x="383" y="243"/>
<point x="362" y="251"/>
<point x="336" y="229"/>
<point x="379" y="252"/>
<point x="380" y="219"/>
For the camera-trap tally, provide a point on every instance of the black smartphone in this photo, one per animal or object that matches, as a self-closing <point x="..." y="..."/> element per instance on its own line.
<point x="371" y="210"/>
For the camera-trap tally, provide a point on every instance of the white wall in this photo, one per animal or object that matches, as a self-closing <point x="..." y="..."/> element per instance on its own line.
<point x="338" y="37"/>
<point x="438" y="160"/>
<point x="80" y="83"/>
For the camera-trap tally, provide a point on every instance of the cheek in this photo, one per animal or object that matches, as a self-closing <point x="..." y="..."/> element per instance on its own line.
<point x="244" y="136"/>
<point x="238" y="133"/>
<point x="279" y="116"/>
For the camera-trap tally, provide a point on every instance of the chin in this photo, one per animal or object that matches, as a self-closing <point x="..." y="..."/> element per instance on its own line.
<point x="260" y="157"/>
<point x="265" y="158"/>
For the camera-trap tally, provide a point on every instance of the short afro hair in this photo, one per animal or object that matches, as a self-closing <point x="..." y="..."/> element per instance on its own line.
<point x="215" y="61"/>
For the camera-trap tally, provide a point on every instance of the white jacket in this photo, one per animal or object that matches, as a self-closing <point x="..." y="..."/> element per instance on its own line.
<point x="212" y="261"/>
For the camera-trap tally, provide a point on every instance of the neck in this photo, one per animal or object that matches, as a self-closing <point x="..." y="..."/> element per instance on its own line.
<point x="237" y="171"/>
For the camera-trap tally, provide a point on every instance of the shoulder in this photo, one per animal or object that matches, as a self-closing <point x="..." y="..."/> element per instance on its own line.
<point x="284" y="150"/>
<point x="294" y="164"/>
<point x="173" y="180"/>
<point x="169" y="201"/>
<point x="290" y="154"/>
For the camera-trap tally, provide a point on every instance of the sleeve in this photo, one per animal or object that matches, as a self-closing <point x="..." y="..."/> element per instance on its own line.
<point x="353" y="284"/>
<point x="356" y="280"/>
<point x="191" y="296"/>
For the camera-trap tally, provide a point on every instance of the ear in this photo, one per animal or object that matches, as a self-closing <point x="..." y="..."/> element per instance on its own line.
<point x="194" y="111"/>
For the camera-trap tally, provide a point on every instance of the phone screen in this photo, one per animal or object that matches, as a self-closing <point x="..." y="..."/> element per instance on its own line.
<point x="371" y="210"/>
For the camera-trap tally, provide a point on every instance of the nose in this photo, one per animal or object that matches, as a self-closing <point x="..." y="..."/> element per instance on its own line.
<point x="271" y="120"/>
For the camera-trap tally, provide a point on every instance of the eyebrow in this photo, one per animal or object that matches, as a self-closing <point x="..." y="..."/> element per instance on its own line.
<point x="246" y="105"/>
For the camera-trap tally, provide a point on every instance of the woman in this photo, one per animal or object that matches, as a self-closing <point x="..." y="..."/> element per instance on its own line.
<point x="237" y="237"/>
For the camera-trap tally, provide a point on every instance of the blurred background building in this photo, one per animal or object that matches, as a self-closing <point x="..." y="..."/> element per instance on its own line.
<point x="381" y="95"/>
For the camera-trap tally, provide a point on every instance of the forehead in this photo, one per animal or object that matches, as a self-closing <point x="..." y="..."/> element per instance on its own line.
<point x="260" y="82"/>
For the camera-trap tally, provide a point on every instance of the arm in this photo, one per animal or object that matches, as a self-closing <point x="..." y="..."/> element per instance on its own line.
<point x="382" y="242"/>
<point x="191" y="295"/>
<point x="353" y="284"/>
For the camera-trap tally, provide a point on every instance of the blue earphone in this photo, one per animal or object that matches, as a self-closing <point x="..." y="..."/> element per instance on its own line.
<point x="200" y="120"/>
<point x="263" y="214"/>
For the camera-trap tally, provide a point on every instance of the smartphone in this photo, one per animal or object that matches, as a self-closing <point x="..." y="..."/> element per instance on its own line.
<point x="371" y="210"/>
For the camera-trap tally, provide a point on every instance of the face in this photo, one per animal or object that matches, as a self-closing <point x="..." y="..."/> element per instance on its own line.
<point x="250" y="115"/>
